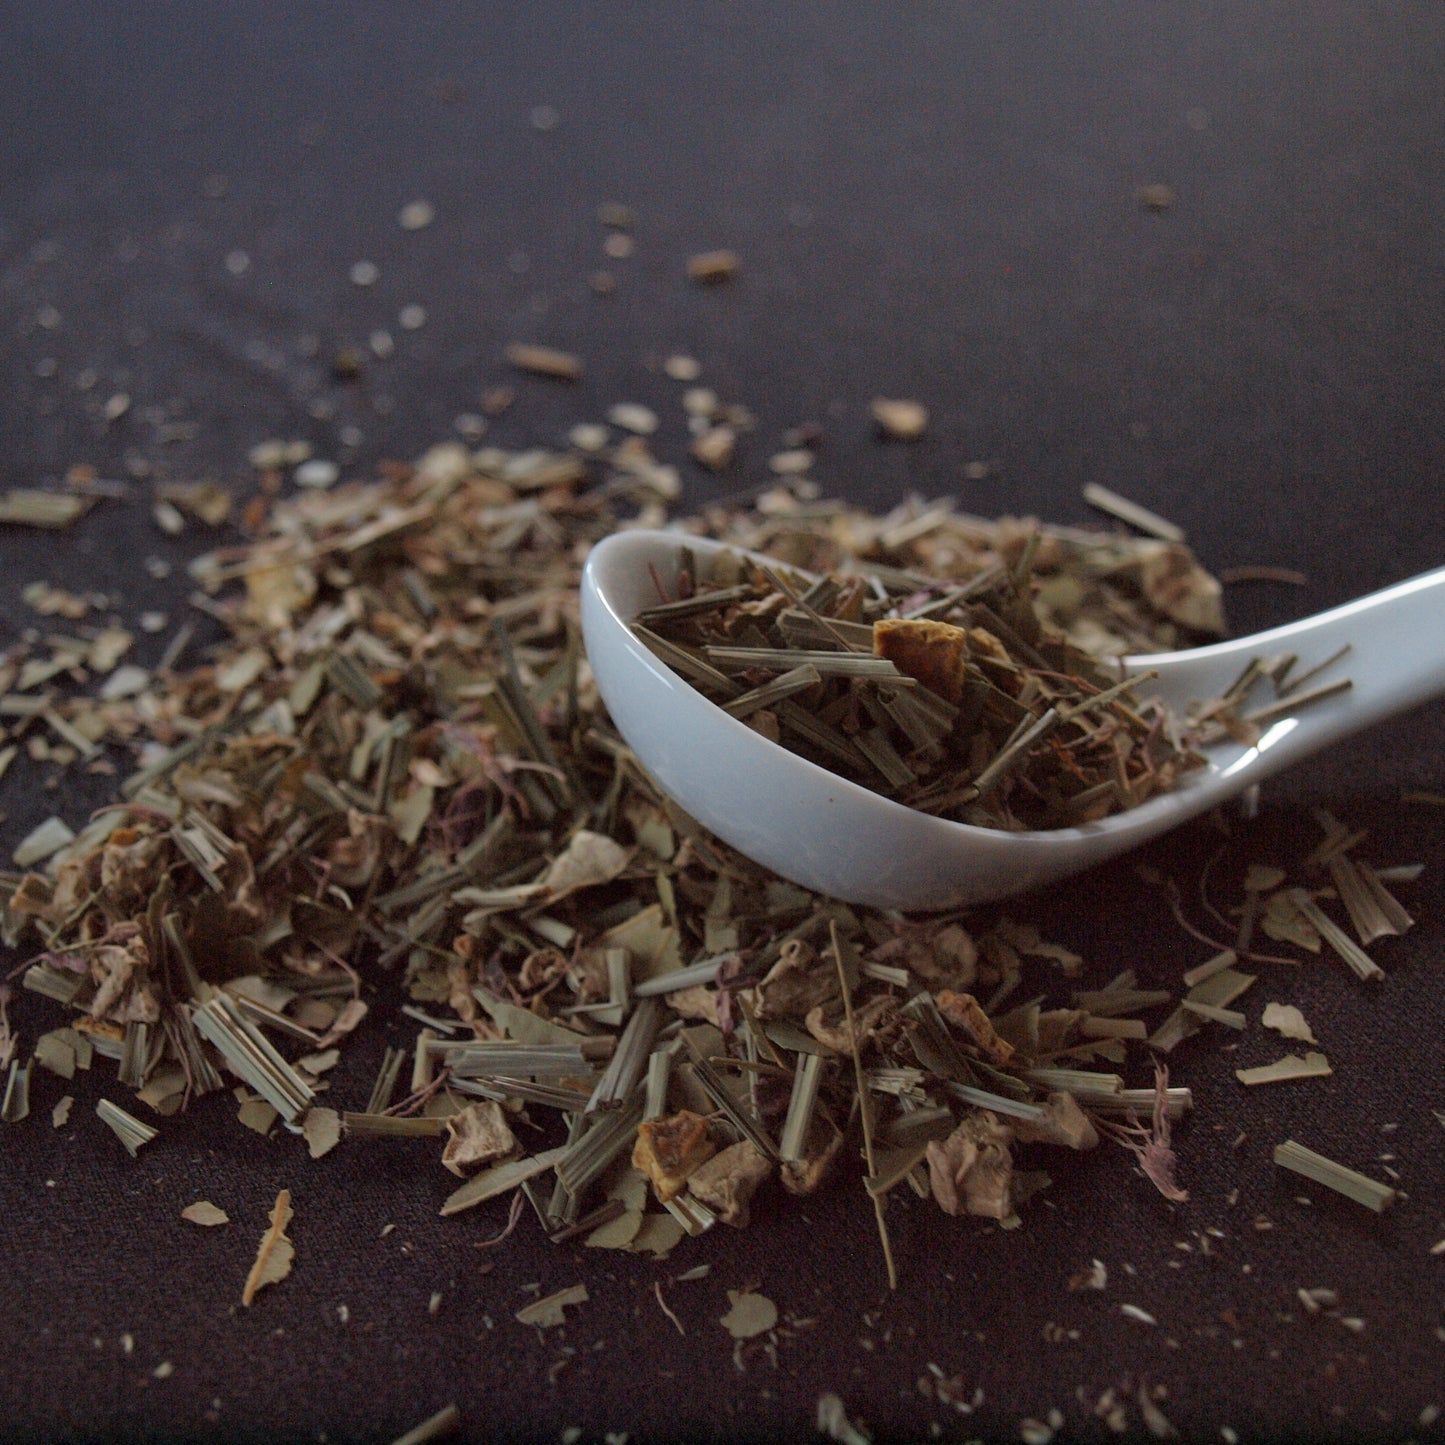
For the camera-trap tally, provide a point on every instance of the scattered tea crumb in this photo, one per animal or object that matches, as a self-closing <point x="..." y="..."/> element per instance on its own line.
<point x="900" y="419"/>
<point x="716" y="447"/>
<point x="832" y="1420"/>
<point x="545" y="361"/>
<point x="711" y="267"/>
<point x="634" y="417"/>
<point x="416" y="215"/>
<point x="444" y="1422"/>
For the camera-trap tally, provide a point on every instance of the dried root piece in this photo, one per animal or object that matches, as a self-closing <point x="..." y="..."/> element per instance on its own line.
<point x="799" y="981"/>
<point x="727" y="1182"/>
<point x="939" y="957"/>
<point x="1064" y="1122"/>
<point x="669" y="1150"/>
<point x="479" y="1134"/>
<point x="820" y="1151"/>
<point x="868" y="1022"/>
<point x="935" y="653"/>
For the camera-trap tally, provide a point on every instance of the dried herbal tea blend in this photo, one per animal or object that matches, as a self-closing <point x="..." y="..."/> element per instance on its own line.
<point x="397" y="762"/>
<point x="952" y="695"/>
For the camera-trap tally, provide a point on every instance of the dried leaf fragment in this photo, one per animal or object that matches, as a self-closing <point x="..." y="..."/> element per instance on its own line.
<point x="1312" y="1066"/>
<point x="659" y="1236"/>
<point x="1286" y="1019"/>
<point x="1175" y="583"/>
<point x="322" y="1129"/>
<point x="42" y="841"/>
<point x="617" y="1233"/>
<point x="205" y="1213"/>
<point x="276" y="1252"/>
<point x="550" y="1311"/>
<point x="751" y="1314"/>
<point x="589" y="860"/>
<point x="499" y="1179"/>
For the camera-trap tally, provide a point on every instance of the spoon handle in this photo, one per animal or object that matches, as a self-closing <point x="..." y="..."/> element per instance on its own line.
<point x="1395" y="660"/>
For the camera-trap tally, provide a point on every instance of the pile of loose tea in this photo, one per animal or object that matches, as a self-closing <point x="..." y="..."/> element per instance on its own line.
<point x="397" y="763"/>
<point x="951" y="695"/>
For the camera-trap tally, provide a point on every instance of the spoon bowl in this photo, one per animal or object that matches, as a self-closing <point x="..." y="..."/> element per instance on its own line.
<point x="835" y="837"/>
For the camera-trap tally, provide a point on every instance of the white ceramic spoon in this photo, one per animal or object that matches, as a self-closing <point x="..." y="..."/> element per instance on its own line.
<point x="838" y="838"/>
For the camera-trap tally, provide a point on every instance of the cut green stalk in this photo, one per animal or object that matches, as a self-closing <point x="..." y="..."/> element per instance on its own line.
<point x="1364" y="966"/>
<point x="1349" y="1182"/>
<point x="807" y="1074"/>
<point x="126" y="1127"/>
<point x="390" y="1126"/>
<point x="249" y="1053"/>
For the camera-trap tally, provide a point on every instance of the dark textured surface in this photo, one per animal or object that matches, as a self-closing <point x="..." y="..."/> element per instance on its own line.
<point x="935" y="201"/>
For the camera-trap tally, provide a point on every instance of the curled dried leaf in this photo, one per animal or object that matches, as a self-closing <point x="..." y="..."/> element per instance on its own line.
<point x="971" y="1171"/>
<point x="965" y="1012"/>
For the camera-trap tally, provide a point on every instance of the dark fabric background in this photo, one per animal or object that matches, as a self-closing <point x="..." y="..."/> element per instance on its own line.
<point x="933" y="200"/>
